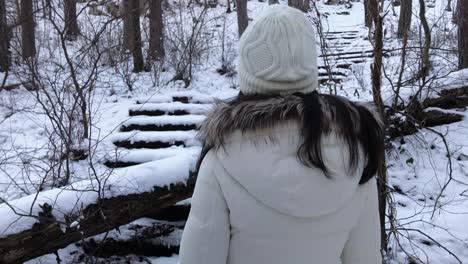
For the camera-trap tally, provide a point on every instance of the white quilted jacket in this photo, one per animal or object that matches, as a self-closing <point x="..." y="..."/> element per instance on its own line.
<point x="254" y="202"/>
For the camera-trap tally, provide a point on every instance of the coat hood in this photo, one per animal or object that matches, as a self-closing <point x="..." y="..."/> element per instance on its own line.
<point x="257" y="142"/>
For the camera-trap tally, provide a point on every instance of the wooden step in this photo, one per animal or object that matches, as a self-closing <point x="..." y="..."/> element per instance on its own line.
<point x="162" y="123"/>
<point x="155" y="140"/>
<point x="173" y="108"/>
<point x="181" y="97"/>
<point x="123" y="157"/>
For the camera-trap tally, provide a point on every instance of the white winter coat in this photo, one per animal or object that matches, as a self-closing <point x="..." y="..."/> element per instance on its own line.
<point x="254" y="202"/>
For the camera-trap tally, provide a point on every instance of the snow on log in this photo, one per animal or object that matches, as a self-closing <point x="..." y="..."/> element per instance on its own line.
<point x="42" y="223"/>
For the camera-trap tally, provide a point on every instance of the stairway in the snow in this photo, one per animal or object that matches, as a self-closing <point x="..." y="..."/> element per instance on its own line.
<point x="159" y="127"/>
<point x="341" y="51"/>
<point x="165" y="125"/>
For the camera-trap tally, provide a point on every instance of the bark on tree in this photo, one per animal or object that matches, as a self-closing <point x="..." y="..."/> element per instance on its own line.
<point x="242" y="17"/>
<point x="48" y="236"/>
<point x="28" y="45"/>
<point x="71" y="22"/>
<point x="404" y="22"/>
<point x="133" y="34"/>
<point x="272" y="2"/>
<point x="462" y="34"/>
<point x="4" y="39"/>
<point x="156" y="42"/>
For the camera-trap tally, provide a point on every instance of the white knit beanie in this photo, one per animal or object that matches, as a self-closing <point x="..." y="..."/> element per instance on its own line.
<point x="277" y="53"/>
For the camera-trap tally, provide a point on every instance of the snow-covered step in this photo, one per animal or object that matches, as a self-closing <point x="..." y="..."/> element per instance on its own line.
<point x="155" y="139"/>
<point x="341" y="65"/>
<point x="174" y="108"/>
<point x="324" y="79"/>
<point x="332" y="73"/>
<point x="338" y="37"/>
<point x="182" y="97"/>
<point x="162" y="123"/>
<point x="341" y="32"/>
<point x="122" y="157"/>
<point x="350" y="60"/>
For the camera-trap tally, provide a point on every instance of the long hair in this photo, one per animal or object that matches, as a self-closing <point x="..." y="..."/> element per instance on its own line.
<point x="318" y="116"/>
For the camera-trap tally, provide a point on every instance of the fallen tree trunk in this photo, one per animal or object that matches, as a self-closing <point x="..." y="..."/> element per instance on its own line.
<point x="147" y="241"/>
<point x="449" y="99"/>
<point x="417" y="115"/>
<point x="420" y="120"/>
<point x="47" y="236"/>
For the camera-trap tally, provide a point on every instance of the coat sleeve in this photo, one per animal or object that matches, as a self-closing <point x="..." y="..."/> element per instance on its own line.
<point x="206" y="236"/>
<point x="363" y="245"/>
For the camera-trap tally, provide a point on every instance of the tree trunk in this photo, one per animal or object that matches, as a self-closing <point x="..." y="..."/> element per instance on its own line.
<point x="28" y="45"/>
<point x="463" y="34"/>
<point x="71" y="22"/>
<point x="370" y="8"/>
<point x="242" y="18"/>
<point x="425" y="60"/>
<point x="272" y="2"/>
<point x="448" y="8"/>
<point x="126" y="17"/>
<point x="132" y="32"/>
<point x="4" y="39"/>
<point x="455" y="14"/>
<point x="404" y="22"/>
<point x="299" y="4"/>
<point x="48" y="236"/>
<point x="156" y="42"/>
<point x="376" y="74"/>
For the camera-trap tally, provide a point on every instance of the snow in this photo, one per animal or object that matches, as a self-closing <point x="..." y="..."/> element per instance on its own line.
<point x="71" y="199"/>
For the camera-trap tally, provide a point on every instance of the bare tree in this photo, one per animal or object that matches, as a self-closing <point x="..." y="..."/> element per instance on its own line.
<point x="242" y="17"/>
<point x="404" y="22"/>
<point x="462" y="14"/>
<point x="156" y="40"/>
<point x="28" y="38"/>
<point x="133" y="34"/>
<point x="272" y="2"/>
<point x="4" y="39"/>
<point x="72" y="30"/>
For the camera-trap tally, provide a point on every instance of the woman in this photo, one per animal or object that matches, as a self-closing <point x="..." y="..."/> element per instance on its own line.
<point x="287" y="174"/>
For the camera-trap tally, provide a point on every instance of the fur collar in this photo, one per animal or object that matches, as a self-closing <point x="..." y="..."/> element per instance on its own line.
<point x="259" y="112"/>
<point x="316" y="114"/>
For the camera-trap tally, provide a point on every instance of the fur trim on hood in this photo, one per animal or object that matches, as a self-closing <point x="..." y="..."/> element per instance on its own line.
<point x="317" y="115"/>
<point x="262" y="112"/>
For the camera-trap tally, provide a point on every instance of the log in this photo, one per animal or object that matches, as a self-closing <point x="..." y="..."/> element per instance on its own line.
<point x="47" y="236"/>
<point x="449" y="99"/>
<point x="423" y="119"/>
<point x="172" y="213"/>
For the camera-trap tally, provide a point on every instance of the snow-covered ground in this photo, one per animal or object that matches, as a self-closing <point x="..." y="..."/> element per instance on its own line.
<point x="429" y="225"/>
